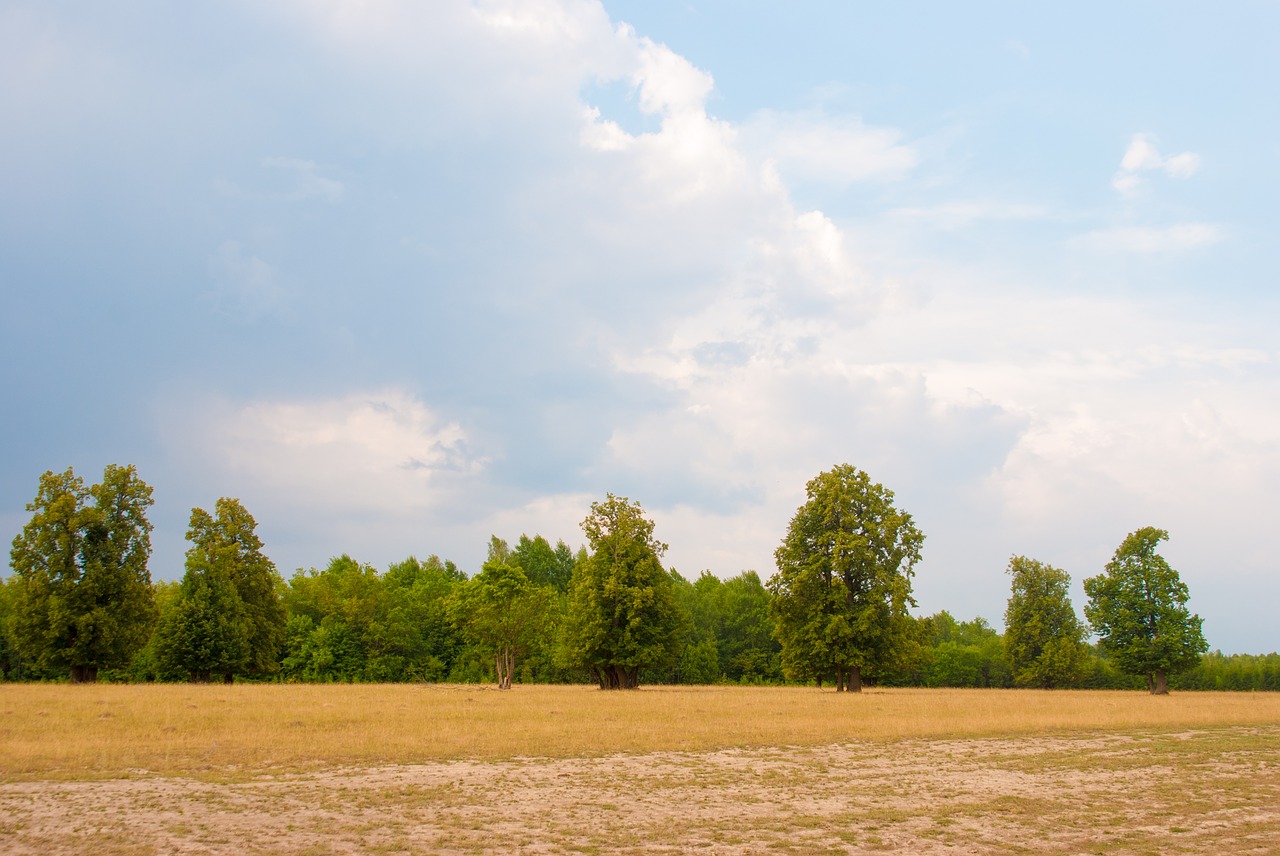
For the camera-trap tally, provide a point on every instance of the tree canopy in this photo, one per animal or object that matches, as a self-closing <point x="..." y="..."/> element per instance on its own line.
<point x="83" y="598"/>
<point x="230" y="618"/>
<point x="1138" y="608"/>
<point x="843" y="585"/>
<point x="1043" y="637"/>
<point x="623" y="615"/>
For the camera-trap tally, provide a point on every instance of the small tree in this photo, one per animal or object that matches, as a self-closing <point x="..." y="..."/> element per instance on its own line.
<point x="1138" y="608"/>
<point x="206" y="633"/>
<point x="1043" y="638"/>
<point x="622" y="614"/>
<point x="502" y="611"/>
<point x="843" y="585"/>
<point x="83" y="599"/>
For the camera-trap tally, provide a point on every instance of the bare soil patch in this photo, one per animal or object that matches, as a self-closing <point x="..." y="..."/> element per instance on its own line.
<point x="1200" y="791"/>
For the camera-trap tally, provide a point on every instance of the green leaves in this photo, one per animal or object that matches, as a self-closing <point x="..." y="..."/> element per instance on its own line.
<point x="83" y="599"/>
<point x="1043" y="637"/>
<point x="1138" y="609"/>
<point x="230" y="618"/>
<point x="844" y="580"/>
<point x="623" y="615"/>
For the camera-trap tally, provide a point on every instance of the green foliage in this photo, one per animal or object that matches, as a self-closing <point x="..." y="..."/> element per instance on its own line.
<point x="1043" y="637"/>
<point x="348" y="623"/>
<point x="1237" y="672"/>
<point x="83" y="592"/>
<point x="12" y="667"/>
<point x="229" y="619"/>
<point x="623" y="615"/>
<point x="843" y="585"/>
<point x="962" y="653"/>
<point x="1138" y="608"/>
<point x="207" y="633"/>
<point x="543" y="564"/>
<point x="230" y="540"/>
<point x="504" y="613"/>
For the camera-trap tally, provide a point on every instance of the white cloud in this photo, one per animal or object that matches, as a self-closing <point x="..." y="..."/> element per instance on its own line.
<point x="1151" y="240"/>
<point x="1143" y="156"/>
<point x="377" y="452"/>
<point x="817" y="147"/>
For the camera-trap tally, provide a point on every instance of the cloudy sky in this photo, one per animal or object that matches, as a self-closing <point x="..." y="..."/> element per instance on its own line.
<point x="400" y="275"/>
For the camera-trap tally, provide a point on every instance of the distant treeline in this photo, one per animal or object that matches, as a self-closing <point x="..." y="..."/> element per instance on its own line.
<point x="81" y="605"/>
<point x="349" y="622"/>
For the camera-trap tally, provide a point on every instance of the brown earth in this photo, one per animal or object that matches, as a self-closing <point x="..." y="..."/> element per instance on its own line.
<point x="1213" y="791"/>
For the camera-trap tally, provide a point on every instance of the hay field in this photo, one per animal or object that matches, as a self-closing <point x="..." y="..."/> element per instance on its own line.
<point x="468" y="769"/>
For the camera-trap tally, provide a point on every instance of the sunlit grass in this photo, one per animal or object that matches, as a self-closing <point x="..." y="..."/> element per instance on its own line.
<point x="62" y="731"/>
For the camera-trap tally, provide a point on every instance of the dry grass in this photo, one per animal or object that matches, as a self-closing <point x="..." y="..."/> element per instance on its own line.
<point x="109" y="731"/>
<point x="560" y="770"/>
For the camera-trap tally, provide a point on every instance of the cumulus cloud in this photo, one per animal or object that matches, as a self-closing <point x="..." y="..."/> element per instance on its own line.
<point x="1142" y="156"/>
<point x="377" y="452"/>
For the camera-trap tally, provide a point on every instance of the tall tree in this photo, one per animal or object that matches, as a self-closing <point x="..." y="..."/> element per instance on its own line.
<point x="229" y="540"/>
<point x="1043" y="637"/>
<point x="230" y="618"/>
<point x="83" y="599"/>
<point x="622" y="614"/>
<point x="501" y="610"/>
<point x="1138" y="608"/>
<point x="843" y="585"/>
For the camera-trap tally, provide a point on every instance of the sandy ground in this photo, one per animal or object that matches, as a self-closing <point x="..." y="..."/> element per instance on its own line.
<point x="1200" y="792"/>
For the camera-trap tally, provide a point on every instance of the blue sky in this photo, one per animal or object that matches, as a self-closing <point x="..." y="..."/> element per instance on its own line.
<point x="402" y="275"/>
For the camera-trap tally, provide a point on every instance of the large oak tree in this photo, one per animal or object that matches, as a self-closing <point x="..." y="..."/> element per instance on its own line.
<point x="1138" y="608"/>
<point x="623" y="615"/>
<point x="83" y="600"/>
<point x="843" y="585"/>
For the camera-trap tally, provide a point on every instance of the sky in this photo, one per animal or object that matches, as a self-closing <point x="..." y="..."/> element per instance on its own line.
<point x="402" y="275"/>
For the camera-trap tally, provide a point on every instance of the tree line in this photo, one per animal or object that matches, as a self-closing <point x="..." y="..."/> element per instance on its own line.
<point x="80" y="604"/>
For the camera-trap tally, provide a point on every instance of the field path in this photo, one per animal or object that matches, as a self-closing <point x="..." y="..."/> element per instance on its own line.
<point x="1212" y="791"/>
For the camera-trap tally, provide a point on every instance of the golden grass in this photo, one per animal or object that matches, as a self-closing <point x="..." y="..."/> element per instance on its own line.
<point x="106" y="731"/>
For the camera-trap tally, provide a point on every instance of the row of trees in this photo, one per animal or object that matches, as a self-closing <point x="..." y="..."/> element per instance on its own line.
<point x="81" y="600"/>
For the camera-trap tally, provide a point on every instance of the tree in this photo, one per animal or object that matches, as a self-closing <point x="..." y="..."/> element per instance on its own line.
<point x="1138" y="608"/>
<point x="229" y="538"/>
<point x="622" y="614"/>
<point x="83" y="599"/>
<point x="230" y="619"/>
<point x="1043" y="637"/>
<point x="501" y="610"/>
<point x="543" y="564"/>
<point x="207" y="632"/>
<point x="843" y="585"/>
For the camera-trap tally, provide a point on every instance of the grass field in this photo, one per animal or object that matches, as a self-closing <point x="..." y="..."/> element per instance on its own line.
<point x="426" y="768"/>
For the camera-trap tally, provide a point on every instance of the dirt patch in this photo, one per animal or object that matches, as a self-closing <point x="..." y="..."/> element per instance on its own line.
<point x="1199" y="792"/>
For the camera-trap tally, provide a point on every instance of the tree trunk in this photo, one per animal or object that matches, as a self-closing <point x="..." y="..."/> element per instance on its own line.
<point x="855" y="679"/>
<point x="1151" y="685"/>
<point x="84" y="674"/>
<point x="839" y="679"/>
<point x="618" y="677"/>
<point x="200" y="677"/>
<point x="1160" y="686"/>
<point x="228" y="678"/>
